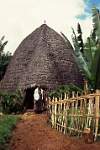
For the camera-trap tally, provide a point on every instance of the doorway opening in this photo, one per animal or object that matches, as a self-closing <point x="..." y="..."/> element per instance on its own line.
<point x="29" y="100"/>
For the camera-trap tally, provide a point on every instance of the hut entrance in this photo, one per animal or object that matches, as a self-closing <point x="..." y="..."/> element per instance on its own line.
<point x="35" y="98"/>
<point x="29" y="100"/>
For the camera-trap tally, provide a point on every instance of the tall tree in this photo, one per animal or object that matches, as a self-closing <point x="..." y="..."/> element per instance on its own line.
<point x="2" y="44"/>
<point x="79" y="37"/>
<point x="4" y="57"/>
<point x="4" y="61"/>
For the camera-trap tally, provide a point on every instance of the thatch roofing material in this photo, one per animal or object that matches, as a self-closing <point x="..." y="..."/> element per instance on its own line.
<point x="43" y="58"/>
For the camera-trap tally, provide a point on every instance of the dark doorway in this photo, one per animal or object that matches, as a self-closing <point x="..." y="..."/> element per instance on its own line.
<point x="29" y="100"/>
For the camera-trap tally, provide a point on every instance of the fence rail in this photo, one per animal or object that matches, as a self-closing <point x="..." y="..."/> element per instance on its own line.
<point x="73" y="115"/>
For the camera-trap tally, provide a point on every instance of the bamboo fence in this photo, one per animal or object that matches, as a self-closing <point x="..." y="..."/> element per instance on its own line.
<point x="72" y="115"/>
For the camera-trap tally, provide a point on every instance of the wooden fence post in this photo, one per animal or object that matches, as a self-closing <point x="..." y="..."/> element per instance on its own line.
<point x="73" y="108"/>
<point x="76" y="103"/>
<point x="49" y="109"/>
<point x="65" y="97"/>
<point x="72" y="112"/>
<point x="52" y="115"/>
<point x="97" y="99"/>
<point x="86" y="90"/>
<point x="55" y="113"/>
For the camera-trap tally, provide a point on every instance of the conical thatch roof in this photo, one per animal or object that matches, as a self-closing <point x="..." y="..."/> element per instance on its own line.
<point x="42" y="58"/>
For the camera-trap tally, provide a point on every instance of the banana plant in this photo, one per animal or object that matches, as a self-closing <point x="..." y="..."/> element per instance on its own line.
<point x="79" y="56"/>
<point x="96" y="22"/>
<point x="88" y="55"/>
<point x="96" y="32"/>
<point x="91" y="52"/>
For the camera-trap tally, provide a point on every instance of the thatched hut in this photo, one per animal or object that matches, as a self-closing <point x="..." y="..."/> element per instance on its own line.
<point x="43" y="58"/>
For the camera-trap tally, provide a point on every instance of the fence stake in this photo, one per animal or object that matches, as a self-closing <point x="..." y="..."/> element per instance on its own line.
<point x="52" y="118"/>
<point x="55" y="113"/>
<point x="96" y="113"/>
<point x="72" y="116"/>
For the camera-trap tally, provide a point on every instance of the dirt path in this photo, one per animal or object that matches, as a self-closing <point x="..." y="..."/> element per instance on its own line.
<point x="32" y="133"/>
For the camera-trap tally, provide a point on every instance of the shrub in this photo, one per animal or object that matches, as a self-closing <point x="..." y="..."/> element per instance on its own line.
<point x="64" y="89"/>
<point x="7" y="123"/>
<point x="11" y="102"/>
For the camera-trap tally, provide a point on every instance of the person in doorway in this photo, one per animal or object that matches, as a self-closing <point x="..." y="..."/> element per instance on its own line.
<point x="37" y="100"/>
<point x="36" y="97"/>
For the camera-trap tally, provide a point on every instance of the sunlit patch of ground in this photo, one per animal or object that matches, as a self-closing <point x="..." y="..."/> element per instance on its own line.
<point x="33" y="133"/>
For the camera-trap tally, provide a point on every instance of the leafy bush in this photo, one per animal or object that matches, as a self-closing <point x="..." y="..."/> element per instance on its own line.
<point x="11" y="102"/>
<point x="7" y="123"/>
<point x="64" y="89"/>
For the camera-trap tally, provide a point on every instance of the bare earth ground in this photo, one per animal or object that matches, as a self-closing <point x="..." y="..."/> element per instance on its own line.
<point x="33" y="133"/>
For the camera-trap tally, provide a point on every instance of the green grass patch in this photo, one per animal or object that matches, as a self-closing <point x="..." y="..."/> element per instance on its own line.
<point x="7" y="124"/>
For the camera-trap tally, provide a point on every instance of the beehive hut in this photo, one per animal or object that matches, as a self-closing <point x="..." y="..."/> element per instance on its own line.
<point x="43" y="58"/>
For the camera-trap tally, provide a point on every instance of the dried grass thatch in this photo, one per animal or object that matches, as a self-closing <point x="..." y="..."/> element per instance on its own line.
<point x="43" y="58"/>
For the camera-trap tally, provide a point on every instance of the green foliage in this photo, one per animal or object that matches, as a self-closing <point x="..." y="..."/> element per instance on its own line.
<point x="4" y="57"/>
<point x="79" y="38"/>
<point x="88" y="60"/>
<point x="4" y="61"/>
<point x="7" y="123"/>
<point x="96" y="37"/>
<point x="91" y="56"/>
<point x="2" y="45"/>
<point x="11" y="102"/>
<point x="80" y="58"/>
<point x="61" y="90"/>
<point x="96" y="22"/>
